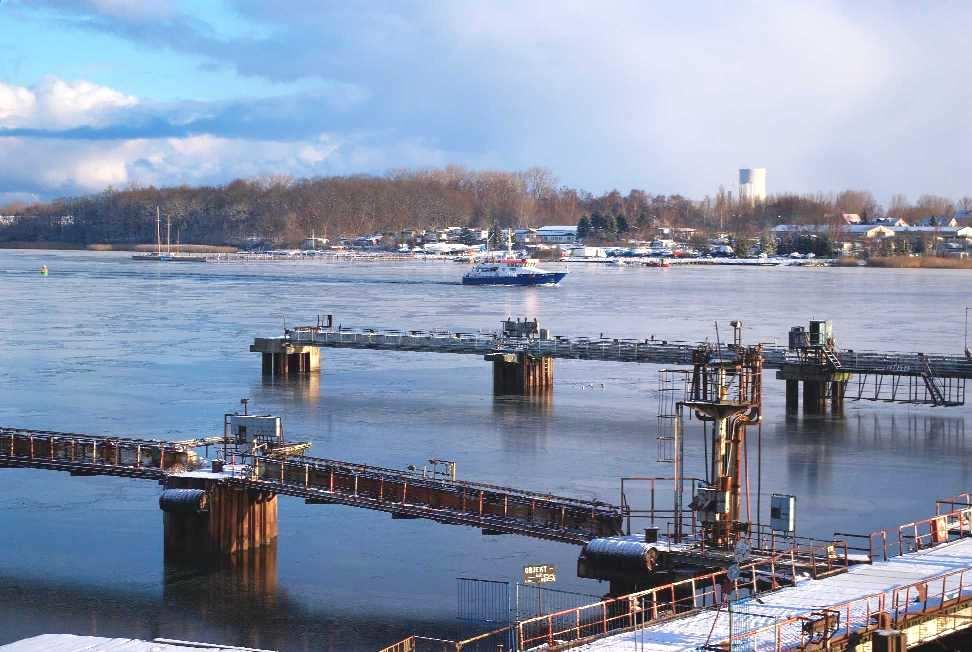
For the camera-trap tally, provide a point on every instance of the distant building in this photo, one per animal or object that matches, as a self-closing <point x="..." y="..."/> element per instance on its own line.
<point x="557" y="234"/>
<point x="936" y="220"/>
<point x="752" y="185"/>
<point x="525" y="236"/>
<point x="889" y="221"/>
<point x="313" y="243"/>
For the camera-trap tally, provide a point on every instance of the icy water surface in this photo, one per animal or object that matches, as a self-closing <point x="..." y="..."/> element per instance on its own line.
<point x="108" y="345"/>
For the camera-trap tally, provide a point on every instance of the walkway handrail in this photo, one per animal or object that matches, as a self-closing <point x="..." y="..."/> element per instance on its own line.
<point x="882" y="610"/>
<point x="413" y="643"/>
<point x="648" y="350"/>
<point x="636" y="609"/>
<point x="888" y="543"/>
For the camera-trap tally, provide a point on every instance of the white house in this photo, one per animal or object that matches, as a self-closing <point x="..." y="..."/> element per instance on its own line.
<point x="557" y="234"/>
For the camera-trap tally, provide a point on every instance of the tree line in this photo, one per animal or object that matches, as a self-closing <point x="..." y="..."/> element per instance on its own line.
<point x="282" y="211"/>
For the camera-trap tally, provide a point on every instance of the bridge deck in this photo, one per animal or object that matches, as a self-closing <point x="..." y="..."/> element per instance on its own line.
<point x="776" y="620"/>
<point x="651" y="351"/>
<point x="404" y="494"/>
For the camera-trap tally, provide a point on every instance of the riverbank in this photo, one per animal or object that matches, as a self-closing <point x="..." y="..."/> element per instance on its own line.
<point x="920" y="262"/>
<point x="54" y="246"/>
<point x="74" y="246"/>
<point x="907" y="262"/>
<point x="176" y="248"/>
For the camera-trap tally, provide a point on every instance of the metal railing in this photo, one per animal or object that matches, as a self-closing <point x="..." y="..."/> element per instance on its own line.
<point x="492" y="641"/>
<point x="884" y="610"/>
<point x="650" y="350"/>
<point x="498" y="509"/>
<point x="95" y="455"/>
<point x="910" y="537"/>
<point x="653" y="605"/>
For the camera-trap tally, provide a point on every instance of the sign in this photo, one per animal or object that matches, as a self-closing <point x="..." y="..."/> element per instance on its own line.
<point x="783" y="513"/>
<point x="539" y="574"/>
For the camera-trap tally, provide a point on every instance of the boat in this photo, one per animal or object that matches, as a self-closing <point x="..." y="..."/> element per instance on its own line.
<point x="506" y="268"/>
<point x="657" y="262"/>
<point x="510" y="271"/>
<point x="167" y="256"/>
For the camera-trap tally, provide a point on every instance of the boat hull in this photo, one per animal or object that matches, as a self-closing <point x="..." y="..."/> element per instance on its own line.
<point x="547" y="278"/>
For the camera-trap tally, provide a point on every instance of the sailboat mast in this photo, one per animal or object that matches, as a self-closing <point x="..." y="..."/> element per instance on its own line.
<point x="158" y="231"/>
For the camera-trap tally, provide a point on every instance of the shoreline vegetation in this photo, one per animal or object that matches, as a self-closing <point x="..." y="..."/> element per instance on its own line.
<point x="919" y="262"/>
<point x="907" y="262"/>
<point x="887" y="262"/>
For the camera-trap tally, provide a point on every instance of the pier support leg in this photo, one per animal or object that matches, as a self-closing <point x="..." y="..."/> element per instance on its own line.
<point x="792" y="396"/>
<point x="889" y="640"/>
<point x="837" y="389"/>
<point x="228" y="521"/>
<point x="521" y="374"/>
<point x="814" y="397"/>
<point x="280" y="359"/>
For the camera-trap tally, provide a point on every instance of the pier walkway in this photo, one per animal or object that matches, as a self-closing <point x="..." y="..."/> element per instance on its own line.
<point x="403" y="494"/>
<point x="917" y="580"/>
<point x="649" y="350"/>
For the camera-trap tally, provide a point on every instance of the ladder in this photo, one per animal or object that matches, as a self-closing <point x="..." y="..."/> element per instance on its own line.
<point x="831" y="358"/>
<point x="938" y="398"/>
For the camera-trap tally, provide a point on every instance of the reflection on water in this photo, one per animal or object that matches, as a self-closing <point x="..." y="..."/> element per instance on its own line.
<point x="164" y="353"/>
<point x="305" y="387"/>
<point x="253" y="574"/>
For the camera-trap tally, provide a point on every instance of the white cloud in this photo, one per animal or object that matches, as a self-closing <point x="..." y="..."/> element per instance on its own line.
<point x="52" y="166"/>
<point x="58" y="104"/>
<point x="667" y="97"/>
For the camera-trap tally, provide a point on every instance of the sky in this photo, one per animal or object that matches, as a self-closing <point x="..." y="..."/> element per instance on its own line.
<point x="615" y="94"/>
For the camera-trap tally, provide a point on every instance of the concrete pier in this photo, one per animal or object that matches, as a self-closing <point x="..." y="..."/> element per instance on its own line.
<point x="820" y="384"/>
<point x="202" y="516"/>
<point x="521" y="373"/>
<point x="281" y="358"/>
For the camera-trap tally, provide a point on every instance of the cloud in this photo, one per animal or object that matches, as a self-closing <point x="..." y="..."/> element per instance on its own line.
<point x="64" y="137"/>
<point x="667" y="97"/>
<point x="55" y="104"/>
<point x="54" y="167"/>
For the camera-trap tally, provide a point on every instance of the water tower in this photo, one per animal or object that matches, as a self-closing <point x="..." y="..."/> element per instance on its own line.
<point x="752" y="185"/>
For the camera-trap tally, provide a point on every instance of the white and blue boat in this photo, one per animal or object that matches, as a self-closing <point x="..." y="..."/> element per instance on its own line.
<point x="510" y="271"/>
<point x="507" y="268"/>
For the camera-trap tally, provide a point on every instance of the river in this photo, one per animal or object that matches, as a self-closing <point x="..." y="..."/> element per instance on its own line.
<point x="105" y="344"/>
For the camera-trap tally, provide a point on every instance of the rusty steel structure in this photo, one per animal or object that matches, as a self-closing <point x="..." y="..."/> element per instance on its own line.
<point x="919" y="604"/>
<point x="403" y="494"/>
<point x="939" y="378"/>
<point x="727" y="394"/>
<point x="94" y="455"/>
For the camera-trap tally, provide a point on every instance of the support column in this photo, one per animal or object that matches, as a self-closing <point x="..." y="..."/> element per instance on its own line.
<point x="889" y="640"/>
<point x="814" y="397"/>
<point x="313" y="358"/>
<point x="792" y="396"/>
<point x="837" y="390"/>
<point x="204" y="517"/>
<point x="520" y="374"/>
<point x="280" y="359"/>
